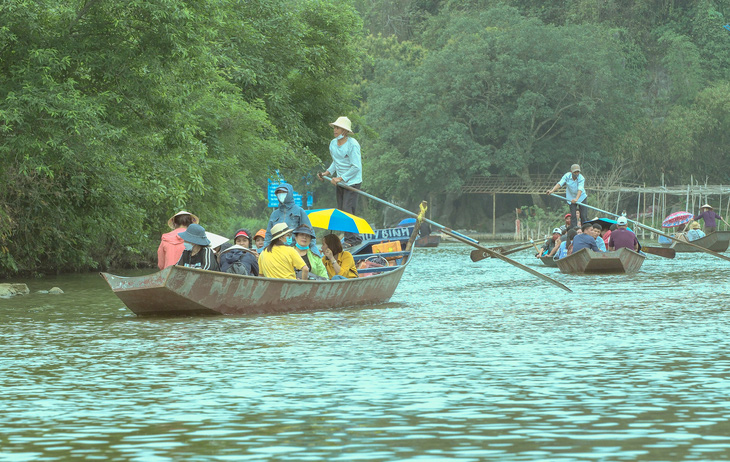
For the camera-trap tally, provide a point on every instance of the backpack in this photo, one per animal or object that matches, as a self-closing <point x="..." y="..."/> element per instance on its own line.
<point x="238" y="268"/>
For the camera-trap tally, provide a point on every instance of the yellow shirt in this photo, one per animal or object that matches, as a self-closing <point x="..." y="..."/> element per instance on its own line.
<point x="346" y="262"/>
<point x="280" y="262"/>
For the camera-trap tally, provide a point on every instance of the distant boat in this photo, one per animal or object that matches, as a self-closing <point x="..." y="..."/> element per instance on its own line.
<point x="717" y="242"/>
<point x="432" y="240"/>
<point x="586" y="261"/>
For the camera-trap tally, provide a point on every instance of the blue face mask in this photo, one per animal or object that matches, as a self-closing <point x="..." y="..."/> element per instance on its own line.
<point x="289" y="240"/>
<point x="302" y="247"/>
<point x="188" y="246"/>
<point x="339" y="137"/>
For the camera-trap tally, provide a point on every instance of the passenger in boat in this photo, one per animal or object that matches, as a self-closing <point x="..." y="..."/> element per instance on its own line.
<point x="302" y="238"/>
<point x="258" y="239"/>
<point x="279" y="260"/>
<point x="339" y="263"/>
<point x="709" y="215"/>
<point x="597" y="230"/>
<point x="290" y="214"/>
<point x="346" y="167"/>
<point x="575" y="192"/>
<point x="622" y="237"/>
<point x="240" y="258"/>
<point x="695" y="232"/>
<point x="565" y="246"/>
<point x="197" y="253"/>
<point x="585" y="240"/>
<point x="171" y="245"/>
<point x="550" y="246"/>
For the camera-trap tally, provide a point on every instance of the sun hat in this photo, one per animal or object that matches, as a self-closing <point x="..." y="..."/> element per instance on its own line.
<point x="622" y="221"/>
<point x="695" y="225"/>
<point x="233" y="247"/>
<point x="216" y="239"/>
<point x="304" y="229"/>
<point x="566" y="215"/>
<point x="242" y="232"/>
<point x="278" y="230"/>
<point x="260" y="233"/>
<point x="557" y="231"/>
<point x="575" y="168"/>
<point x="342" y="122"/>
<point x="195" y="234"/>
<point x="707" y="206"/>
<point x="171" y="221"/>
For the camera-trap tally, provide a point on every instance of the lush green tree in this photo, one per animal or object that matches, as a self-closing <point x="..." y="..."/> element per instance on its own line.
<point x="116" y="114"/>
<point x="498" y="93"/>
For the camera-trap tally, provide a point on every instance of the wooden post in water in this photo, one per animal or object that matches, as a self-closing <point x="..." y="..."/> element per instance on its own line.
<point x="494" y="215"/>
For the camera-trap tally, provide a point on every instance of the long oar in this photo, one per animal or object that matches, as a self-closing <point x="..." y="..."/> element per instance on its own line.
<point x="711" y="252"/>
<point x="455" y="235"/>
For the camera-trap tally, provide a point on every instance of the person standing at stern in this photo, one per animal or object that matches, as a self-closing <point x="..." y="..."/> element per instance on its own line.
<point x="346" y="167"/>
<point x="575" y="193"/>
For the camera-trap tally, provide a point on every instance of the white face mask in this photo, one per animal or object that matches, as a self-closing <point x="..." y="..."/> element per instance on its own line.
<point x="339" y="137"/>
<point x="281" y="197"/>
<point x="188" y="246"/>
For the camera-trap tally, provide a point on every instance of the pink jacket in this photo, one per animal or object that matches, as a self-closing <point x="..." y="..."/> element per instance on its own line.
<point x="171" y="248"/>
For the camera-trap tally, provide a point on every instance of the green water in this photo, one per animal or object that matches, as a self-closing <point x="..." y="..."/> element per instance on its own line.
<point x="468" y="362"/>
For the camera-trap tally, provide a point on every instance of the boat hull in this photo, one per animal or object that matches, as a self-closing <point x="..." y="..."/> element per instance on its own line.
<point x="177" y="290"/>
<point x="717" y="242"/>
<point x="587" y="261"/>
<point x="549" y="262"/>
<point x="432" y="240"/>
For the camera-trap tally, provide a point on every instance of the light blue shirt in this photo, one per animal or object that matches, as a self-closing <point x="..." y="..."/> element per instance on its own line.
<point x="346" y="161"/>
<point x="601" y="245"/>
<point x="694" y="234"/>
<point x="573" y="186"/>
<point x="562" y="251"/>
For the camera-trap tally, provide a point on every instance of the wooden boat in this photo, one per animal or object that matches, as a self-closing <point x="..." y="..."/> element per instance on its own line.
<point x="178" y="290"/>
<point x="586" y="261"/>
<point x="401" y="234"/>
<point x="549" y="262"/>
<point x="717" y="241"/>
<point x="432" y="240"/>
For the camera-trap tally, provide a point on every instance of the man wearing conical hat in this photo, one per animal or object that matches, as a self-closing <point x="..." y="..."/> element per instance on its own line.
<point x="346" y="167"/>
<point x="709" y="216"/>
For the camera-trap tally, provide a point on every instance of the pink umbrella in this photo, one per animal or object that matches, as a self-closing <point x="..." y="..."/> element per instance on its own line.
<point x="676" y="219"/>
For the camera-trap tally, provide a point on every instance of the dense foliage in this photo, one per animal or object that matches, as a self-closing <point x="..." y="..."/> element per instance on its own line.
<point x="115" y="115"/>
<point x="519" y="87"/>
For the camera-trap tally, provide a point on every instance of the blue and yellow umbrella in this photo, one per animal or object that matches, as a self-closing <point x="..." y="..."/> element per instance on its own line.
<point x="337" y="220"/>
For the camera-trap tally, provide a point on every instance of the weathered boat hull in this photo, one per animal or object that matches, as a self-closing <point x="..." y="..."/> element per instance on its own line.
<point x="717" y="242"/>
<point x="177" y="290"/>
<point x="432" y="240"/>
<point x="587" y="261"/>
<point x="549" y="262"/>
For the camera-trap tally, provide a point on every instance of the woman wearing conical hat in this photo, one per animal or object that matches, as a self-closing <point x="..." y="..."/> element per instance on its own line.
<point x="171" y="244"/>
<point x="346" y="167"/>
<point x="709" y="215"/>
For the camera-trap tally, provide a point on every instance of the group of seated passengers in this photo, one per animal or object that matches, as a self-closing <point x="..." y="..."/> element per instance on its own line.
<point x="278" y="260"/>
<point x="566" y="240"/>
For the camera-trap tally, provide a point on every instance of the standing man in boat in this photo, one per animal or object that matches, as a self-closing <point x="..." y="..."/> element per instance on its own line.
<point x="575" y="193"/>
<point x="346" y="167"/>
<point x="709" y="216"/>
<point x="622" y="237"/>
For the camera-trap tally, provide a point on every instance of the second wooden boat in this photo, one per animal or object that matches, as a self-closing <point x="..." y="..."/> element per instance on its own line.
<point x="586" y="261"/>
<point x="549" y="262"/>
<point x="717" y="242"/>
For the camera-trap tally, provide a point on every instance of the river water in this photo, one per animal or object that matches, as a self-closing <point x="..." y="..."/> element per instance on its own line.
<point x="468" y="362"/>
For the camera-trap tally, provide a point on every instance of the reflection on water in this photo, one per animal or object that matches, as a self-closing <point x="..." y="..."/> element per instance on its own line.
<point x="469" y="361"/>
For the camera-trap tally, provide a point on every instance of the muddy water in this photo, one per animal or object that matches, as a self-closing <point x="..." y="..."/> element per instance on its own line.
<point x="468" y="362"/>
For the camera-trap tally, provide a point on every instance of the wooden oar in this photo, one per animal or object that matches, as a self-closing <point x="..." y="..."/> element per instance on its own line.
<point x="478" y="255"/>
<point x="458" y="236"/>
<point x="711" y="252"/>
<point x="665" y="252"/>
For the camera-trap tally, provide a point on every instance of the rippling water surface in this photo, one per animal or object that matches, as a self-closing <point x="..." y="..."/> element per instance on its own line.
<point x="468" y="362"/>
